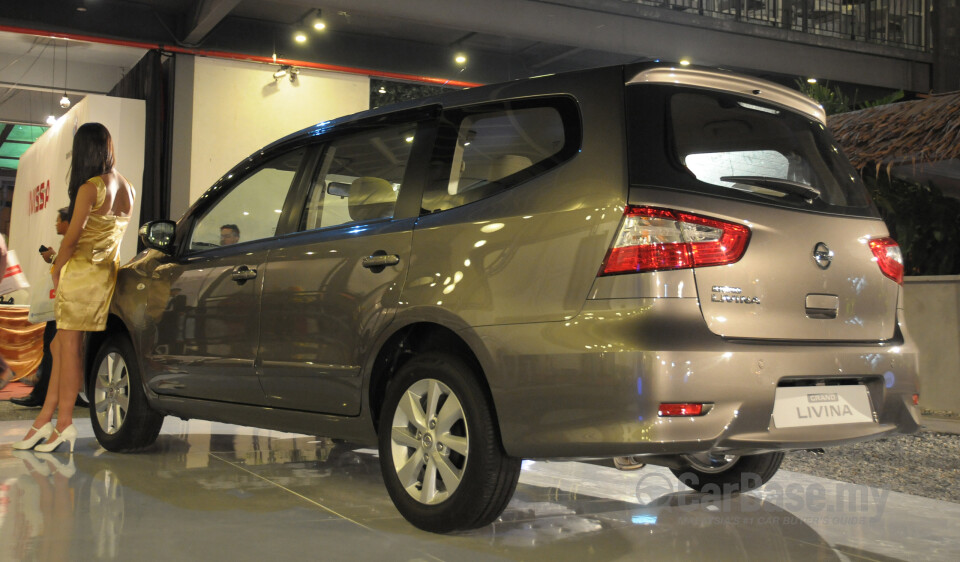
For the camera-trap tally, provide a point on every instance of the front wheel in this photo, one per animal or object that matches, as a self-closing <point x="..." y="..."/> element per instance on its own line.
<point x="121" y="417"/>
<point x="440" y="451"/>
<point x="727" y="474"/>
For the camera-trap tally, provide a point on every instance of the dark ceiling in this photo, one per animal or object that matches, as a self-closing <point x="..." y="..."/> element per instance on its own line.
<point x="419" y="45"/>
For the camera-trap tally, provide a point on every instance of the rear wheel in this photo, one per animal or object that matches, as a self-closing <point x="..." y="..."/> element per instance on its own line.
<point x="727" y="474"/>
<point x="440" y="451"/>
<point x="121" y="417"/>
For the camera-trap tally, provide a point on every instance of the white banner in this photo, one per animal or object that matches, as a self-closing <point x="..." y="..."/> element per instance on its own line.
<point x="41" y="185"/>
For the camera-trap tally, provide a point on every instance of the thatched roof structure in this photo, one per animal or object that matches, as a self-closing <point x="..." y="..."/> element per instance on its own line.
<point x="915" y="132"/>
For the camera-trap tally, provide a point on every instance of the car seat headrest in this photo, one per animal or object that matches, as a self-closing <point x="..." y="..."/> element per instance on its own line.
<point x="371" y="198"/>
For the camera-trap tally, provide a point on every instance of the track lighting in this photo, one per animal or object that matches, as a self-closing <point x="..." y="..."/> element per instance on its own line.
<point x="287" y="70"/>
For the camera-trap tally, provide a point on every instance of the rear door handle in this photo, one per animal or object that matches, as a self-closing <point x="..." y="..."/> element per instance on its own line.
<point x="380" y="260"/>
<point x="242" y="273"/>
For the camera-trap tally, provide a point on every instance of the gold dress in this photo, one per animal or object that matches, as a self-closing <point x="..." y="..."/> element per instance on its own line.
<point x="89" y="277"/>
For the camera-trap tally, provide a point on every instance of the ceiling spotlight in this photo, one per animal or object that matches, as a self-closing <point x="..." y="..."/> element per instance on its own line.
<point x="299" y="36"/>
<point x="460" y="58"/>
<point x="684" y="62"/>
<point x="64" y="101"/>
<point x="317" y="22"/>
<point x="51" y="120"/>
<point x="811" y="80"/>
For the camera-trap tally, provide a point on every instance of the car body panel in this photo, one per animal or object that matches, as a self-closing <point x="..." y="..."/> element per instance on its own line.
<point x="779" y="271"/>
<point x="320" y="310"/>
<point x="205" y="341"/>
<point x="591" y="385"/>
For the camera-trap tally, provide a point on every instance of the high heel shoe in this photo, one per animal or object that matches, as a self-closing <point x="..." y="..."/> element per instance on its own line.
<point x="30" y="459"/>
<point x="69" y="434"/>
<point x="65" y="470"/>
<point x="38" y="435"/>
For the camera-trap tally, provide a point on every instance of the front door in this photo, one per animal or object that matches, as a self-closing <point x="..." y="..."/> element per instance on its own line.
<point x="206" y="338"/>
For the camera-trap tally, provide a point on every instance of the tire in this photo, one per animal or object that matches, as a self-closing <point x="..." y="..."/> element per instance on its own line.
<point x="475" y="479"/>
<point x="727" y="475"/>
<point x="121" y="418"/>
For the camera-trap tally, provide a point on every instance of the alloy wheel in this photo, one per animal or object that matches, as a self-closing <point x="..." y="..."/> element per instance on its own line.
<point x="711" y="463"/>
<point x="429" y="441"/>
<point x="111" y="394"/>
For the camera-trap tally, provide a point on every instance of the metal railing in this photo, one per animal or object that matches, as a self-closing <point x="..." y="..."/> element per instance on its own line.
<point x="899" y="23"/>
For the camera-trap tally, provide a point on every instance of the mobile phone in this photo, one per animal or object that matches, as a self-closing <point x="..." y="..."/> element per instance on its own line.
<point x="43" y="248"/>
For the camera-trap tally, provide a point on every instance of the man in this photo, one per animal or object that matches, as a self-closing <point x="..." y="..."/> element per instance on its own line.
<point x="229" y="234"/>
<point x="39" y="392"/>
<point x="63" y="221"/>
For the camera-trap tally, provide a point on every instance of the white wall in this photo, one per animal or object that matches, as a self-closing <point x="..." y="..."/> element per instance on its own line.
<point x="47" y="163"/>
<point x="932" y="310"/>
<point x="225" y="110"/>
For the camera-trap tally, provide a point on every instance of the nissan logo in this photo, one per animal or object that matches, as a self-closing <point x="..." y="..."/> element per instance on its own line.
<point x="822" y="255"/>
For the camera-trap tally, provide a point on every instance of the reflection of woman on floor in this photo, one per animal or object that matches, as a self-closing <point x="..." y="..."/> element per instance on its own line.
<point x="84" y="276"/>
<point x="46" y="511"/>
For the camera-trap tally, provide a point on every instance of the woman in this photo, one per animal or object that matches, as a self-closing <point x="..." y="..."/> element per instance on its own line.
<point x="84" y="276"/>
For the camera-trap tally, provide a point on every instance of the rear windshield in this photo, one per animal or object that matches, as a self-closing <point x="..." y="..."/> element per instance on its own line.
<point x="734" y="146"/>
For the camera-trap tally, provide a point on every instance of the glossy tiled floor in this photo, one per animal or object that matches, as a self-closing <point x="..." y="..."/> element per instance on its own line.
<point x="220" y="492"/>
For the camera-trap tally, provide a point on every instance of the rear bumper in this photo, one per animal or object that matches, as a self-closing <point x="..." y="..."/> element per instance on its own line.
<point x="591" y="386"/>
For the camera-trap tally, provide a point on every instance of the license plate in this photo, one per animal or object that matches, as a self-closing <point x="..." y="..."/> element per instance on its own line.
<point x="802" y="406"/>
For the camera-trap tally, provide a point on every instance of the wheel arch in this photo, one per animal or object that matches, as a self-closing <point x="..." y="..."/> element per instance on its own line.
<point x="416" y="338"/>
<point x="115" y="326"/>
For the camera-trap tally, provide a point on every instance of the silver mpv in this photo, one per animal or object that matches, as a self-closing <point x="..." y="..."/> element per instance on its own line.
<point x="672" y="266"/>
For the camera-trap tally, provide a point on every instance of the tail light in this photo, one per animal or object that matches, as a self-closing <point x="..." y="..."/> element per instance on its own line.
<point x="669" y="410"/>
<point x="889" y="258"/>
<point x="652" y="239"/>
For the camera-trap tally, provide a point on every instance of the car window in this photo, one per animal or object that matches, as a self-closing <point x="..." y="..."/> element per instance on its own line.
<point x="711" y="166"/>
<point x="746" y="146"/>
<point x="359" y="177"/>
<point x="486" y="150"/>
<point x="251" y="209"/>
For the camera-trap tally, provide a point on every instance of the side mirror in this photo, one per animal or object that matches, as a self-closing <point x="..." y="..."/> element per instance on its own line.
<point x="158" y="235"/>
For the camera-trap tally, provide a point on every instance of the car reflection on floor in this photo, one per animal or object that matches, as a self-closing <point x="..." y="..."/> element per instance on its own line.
<point x="253" y="494"/>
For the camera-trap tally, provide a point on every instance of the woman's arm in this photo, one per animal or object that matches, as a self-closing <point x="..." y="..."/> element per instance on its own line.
<point x="86" y="198"/>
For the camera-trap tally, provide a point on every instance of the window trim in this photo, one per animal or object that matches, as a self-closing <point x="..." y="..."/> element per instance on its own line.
<point x="226" y="184"/>
<point x="450" y="122"/>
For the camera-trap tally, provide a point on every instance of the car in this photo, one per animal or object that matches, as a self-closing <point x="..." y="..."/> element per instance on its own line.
<point x="660" y="264"/>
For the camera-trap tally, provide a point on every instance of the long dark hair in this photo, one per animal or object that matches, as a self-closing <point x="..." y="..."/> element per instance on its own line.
<point x="92" y="156"/>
